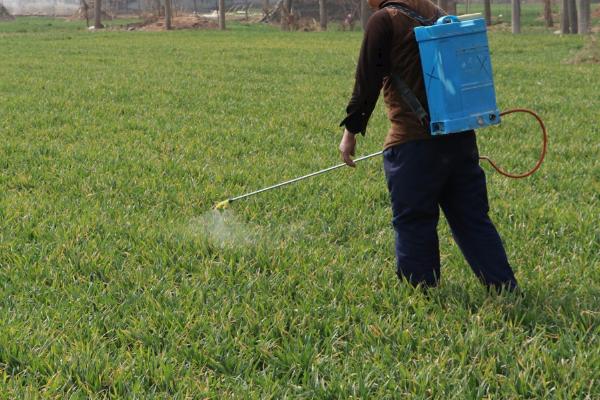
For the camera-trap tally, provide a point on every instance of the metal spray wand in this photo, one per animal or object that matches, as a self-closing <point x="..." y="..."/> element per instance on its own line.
<point x="223" y="204"/>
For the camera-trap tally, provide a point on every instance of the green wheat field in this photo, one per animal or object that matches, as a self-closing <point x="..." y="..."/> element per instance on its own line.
<point x="118" y="281"/>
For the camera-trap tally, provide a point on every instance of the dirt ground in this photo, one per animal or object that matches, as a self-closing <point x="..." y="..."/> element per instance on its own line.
<point x="179" y="22"/>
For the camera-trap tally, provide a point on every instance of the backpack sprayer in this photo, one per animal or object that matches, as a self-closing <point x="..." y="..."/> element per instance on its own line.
<point x="457" y="71"/>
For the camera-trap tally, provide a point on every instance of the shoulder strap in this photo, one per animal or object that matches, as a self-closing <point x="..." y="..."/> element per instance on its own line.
<point x="411" y="100"/>
<point x="407" y="95"/>
<point x="409" y="12"/>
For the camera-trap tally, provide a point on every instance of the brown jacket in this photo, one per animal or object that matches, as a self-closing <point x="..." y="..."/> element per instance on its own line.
<point x="389" y="46"/>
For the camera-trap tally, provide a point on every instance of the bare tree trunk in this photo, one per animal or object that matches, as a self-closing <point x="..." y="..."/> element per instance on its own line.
<point x="285" y="17"/>
<point x="286" y="14"/>
<point x="323" y="15"/>
<point x="487" y="12"/>
<point x="548" y="13"/>
<point x="365" y="13"/>
<point x="516" y="16"/>
<point x="452" y="7"/>
<point x="222" y="14"/>
<point x="168" y="15"/>
<point x="98" y="14"/>
<point x="84" y="8"/>
<point x="572" y="16"/>
<point x="564" y="18"/>
<point x="584" y="13"/>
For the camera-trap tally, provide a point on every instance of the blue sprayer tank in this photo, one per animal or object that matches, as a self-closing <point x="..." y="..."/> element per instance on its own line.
<point x="457" y="73"/>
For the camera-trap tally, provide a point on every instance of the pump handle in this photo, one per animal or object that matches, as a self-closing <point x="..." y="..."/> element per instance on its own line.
<point x="447" y="19"/>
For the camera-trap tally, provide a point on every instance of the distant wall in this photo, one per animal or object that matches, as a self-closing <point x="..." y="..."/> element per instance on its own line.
<point x="41" y="7"/>
<point x="69" y="7"/>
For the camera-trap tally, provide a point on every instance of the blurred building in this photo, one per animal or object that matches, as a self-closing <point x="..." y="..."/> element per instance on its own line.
<point x="41" y="7"/>
<point x="336" y="9"/>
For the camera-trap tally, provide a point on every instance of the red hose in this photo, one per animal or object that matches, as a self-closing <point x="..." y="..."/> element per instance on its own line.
<point x="542" y="154"/>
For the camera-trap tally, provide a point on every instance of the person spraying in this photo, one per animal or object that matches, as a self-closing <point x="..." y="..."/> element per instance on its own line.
<point x="423" y="172"/>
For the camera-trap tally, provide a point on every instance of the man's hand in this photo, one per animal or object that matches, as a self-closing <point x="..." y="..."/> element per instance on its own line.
<point x="347" y="146"/>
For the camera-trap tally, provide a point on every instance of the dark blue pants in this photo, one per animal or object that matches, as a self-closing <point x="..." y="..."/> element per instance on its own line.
<point x="424" y="175"/>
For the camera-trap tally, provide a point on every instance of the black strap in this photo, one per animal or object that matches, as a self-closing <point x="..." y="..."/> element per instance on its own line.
<point x="407" y="95"/>
<point x="409" y="12"/>
<point x="409" y="98"/>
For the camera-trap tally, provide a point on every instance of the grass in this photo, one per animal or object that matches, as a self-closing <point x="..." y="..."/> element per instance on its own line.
<point x="532" y="16"/>
<point x="114" y="283"/>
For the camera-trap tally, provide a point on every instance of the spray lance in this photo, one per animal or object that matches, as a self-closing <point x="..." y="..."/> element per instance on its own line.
<point x="225" y="203"/>
<point x="457" y="69"/>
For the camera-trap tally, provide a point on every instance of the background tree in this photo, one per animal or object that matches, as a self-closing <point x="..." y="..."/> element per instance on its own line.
<point x="516" y="16"/>
<point x="487" y="12"/>
<point x="222" y="14"/>
<point x="452" y="8"/>
<point x="448" y="5"/>
<point x="564" y="18"/>
<point x="548" y="13"/>
<point x="573" y="15"/>
<point x="168" y="15"/>
<point x="84" y="10"/>
<point x="323" y="15"/>
<point x="365" y="13"/>
<point x="98" y="14"/>
<point x="584" y="14"/>
<point x="286" y="14"/>
<point x="572" y="10"/>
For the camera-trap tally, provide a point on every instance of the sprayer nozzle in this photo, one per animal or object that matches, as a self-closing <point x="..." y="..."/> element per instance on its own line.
<point x="222" y="205"/>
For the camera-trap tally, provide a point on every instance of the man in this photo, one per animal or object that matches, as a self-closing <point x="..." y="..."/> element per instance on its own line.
<point x="423" y="172"/>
